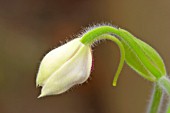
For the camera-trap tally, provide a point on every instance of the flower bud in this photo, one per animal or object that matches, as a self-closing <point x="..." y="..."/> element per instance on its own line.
<point x="64" y="67"/>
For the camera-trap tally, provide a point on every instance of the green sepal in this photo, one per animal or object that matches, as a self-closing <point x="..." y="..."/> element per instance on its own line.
<point x="141" y="57"/>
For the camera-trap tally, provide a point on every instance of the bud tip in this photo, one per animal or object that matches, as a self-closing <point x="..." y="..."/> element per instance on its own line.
<point x="41" y="95"/>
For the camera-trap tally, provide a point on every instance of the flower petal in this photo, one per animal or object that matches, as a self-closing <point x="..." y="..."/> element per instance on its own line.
<point x="55" y="59"/>
<point x="74" y="71"/>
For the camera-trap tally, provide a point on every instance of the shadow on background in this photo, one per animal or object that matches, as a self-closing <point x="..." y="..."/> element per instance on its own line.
<point x="29" y="29"/>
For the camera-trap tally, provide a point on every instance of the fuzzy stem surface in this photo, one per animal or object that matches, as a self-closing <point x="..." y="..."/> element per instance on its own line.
<point x="164" y="82"/>
<point x="156" y="98"/>
<point x="98" y="34"/>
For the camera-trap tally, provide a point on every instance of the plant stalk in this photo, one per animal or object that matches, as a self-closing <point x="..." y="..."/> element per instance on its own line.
<point x="164" y="82"/>
<point x="156" y="99"/>
<point x="122" y="58"/>
<point x="91" y="38"/>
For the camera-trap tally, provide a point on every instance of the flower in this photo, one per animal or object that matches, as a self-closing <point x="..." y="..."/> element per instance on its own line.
<point x="64" y="67"/>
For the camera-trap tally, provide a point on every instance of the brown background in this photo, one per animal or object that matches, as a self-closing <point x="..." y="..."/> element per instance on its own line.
<point x="30" y="28"/>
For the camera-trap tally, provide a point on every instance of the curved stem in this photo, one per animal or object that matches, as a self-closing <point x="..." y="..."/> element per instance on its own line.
<point x="156" y="99"/>
<point x="122" y="58"/>
<point x="91" y="37"/>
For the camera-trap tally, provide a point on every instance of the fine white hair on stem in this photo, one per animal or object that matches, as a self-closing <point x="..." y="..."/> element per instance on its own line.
<point x="69" y="38"/>
<point x="84" y="31"/>
<point x="96" y="42"/>
<point x="164" y="103"/>
<point x="152" y="98"/>
<point x="93" y="26"/>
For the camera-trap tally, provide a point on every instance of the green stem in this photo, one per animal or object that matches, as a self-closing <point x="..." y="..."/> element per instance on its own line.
<point x="92" y="37"/>
<point x="122" y="58"/>
<point x="164" y="82"/>
<point x="156" y="99"/>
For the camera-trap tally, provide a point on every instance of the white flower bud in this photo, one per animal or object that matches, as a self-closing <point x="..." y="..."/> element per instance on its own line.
<point x="64" y="67"/>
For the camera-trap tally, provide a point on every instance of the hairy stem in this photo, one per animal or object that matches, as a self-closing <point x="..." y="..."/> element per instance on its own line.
<point x="155" y="100"/>
<point x="164" y="82"/>
<point x="91" y="37"/>
<point x="122" y="58"/>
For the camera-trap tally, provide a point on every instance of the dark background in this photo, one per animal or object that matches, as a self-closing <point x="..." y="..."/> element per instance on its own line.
<point x="30" y="28"/>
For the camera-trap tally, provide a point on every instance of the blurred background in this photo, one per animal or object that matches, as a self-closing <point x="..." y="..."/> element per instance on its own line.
<point x="30" y="28"/>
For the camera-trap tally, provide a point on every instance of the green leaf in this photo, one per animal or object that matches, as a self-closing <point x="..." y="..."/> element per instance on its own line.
<point x="141" y="57"/>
